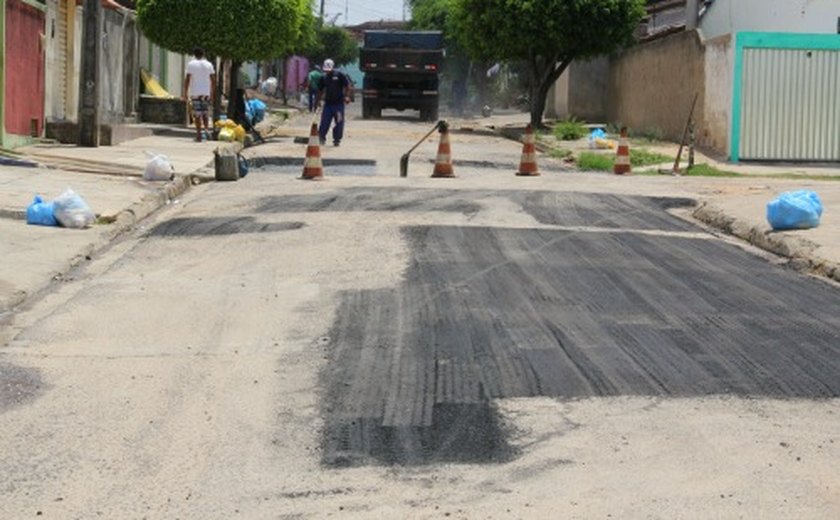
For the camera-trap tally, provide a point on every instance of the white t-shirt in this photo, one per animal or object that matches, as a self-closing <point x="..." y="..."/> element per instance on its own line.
<point x="199" y="71"/>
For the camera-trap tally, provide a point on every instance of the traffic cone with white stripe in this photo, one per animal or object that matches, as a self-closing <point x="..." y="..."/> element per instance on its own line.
<point x="622" y="156"/>
<point x="443" y="161"/>
<point x="313" y="168"/>
<point x="528" y="164"/>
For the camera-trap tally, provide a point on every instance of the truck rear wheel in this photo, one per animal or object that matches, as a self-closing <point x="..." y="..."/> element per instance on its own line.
<point x="429" y="114"/>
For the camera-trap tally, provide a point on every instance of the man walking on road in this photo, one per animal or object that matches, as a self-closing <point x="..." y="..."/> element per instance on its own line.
<point x="200" y="88"/>
<point x="313" y="81"/>
<point x="335" y="92"/>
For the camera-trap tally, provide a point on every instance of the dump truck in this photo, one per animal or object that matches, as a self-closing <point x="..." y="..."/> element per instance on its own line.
<point x="401" y="72"/>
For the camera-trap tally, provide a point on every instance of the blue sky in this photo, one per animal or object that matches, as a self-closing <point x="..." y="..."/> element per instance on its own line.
<point x="352" y="12"/>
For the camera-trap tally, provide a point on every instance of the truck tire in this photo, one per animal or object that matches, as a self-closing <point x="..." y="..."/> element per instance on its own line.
<point x="429" y="114"/>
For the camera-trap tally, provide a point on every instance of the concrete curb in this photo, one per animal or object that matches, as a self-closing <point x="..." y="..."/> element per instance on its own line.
<point x="800" y="251"/>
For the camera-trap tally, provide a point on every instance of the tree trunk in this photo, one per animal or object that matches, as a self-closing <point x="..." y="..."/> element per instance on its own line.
<point x="220" y="82"/>
<point x="544" y="73"/>
<point x="281" y="82"/>
<point x="538" y="99"/>
<point x="235" y="66"/>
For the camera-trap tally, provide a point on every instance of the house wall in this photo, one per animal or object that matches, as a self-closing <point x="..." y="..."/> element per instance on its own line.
<point x="557" y="100"/>
<point x="651" y="87"/>
<point x="587" y="101"/>
<point x="119" y="55"/>
<point x="23" y="69"/>
<point x="717" y="107"/>
<point x="798" y="16"/>
<point x="168" y="67"/>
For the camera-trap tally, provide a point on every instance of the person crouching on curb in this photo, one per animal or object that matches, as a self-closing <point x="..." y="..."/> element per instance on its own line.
<point x="334" y="90"/>
<point x="200" y="88"/>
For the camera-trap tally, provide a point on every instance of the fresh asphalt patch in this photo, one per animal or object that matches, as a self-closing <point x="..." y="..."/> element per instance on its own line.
<point x="217" y="226"/>
<point x="486" y="313"/>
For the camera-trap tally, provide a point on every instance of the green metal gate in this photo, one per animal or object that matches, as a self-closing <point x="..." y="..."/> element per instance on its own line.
<point x="786" y="104"/>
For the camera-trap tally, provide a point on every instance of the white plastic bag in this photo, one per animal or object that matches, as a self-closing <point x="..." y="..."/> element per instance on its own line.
<point x="159" y="169"/>
<point x="71" y="210"/>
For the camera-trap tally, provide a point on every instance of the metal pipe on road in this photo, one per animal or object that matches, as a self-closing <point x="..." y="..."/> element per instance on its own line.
<point x="404" y="158"/>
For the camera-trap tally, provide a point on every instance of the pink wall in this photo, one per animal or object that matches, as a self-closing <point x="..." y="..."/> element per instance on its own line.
<point x="24" y="93"/>
<point x="297" y="68"/>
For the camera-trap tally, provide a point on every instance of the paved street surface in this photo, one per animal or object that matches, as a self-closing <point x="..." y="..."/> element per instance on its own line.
<point x="572" y="345"/>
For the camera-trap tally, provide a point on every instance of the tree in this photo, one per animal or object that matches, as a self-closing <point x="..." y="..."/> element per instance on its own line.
<point x="237" y="30"/>
<point x="547" y="34"/>
<point x="334" y="43"/>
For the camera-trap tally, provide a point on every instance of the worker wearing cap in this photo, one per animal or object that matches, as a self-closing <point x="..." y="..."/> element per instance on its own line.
<point x="334" y="91"/>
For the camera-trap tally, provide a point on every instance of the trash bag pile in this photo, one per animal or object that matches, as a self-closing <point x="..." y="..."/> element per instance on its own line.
<point x="255" y="111"/>
<point x="598" y="139"/>
<point x="67" y="210"/>
<point x="795" y="210"/>
<point x="229" y="131"/>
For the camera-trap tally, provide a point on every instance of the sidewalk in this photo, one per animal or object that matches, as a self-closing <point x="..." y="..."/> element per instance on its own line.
<point x="109" y="178"/>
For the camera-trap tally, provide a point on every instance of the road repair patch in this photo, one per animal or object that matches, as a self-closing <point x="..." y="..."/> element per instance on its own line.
<point x="486" y="313"/>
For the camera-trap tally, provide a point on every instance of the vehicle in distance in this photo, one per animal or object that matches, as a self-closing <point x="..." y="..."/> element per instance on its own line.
<point x="401" y="72"/>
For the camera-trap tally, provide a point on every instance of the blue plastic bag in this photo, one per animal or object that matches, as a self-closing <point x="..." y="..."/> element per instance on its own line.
<point x="243" y="166"/>
<point x="598" y="133"/>
<point x="255" y="110"/>
<point x="41" y="213"/>
<point x="795" y="210"/>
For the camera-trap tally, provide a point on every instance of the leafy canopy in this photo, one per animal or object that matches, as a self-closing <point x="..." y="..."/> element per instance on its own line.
<point x="519" y="29"/>
<point x="334" y="43"/>
<point x="239" y="30"/>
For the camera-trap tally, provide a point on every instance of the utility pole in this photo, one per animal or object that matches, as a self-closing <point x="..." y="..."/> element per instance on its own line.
<point x="89" y="81"/>
<point x="322" y="11"/>
<point x="692" y="14"/>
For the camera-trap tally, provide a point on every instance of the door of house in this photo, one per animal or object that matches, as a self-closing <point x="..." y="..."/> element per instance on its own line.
<point x="790" y="104"/>
<point x="24" y="91"/>
<point x="57" y="53"/>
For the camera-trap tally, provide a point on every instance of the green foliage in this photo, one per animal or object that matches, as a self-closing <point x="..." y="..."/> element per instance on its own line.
<point x="595" y="161"/>
<point x="642" y="157"/>
<point x="705" y="170"/>
<point x="521" y="29"/>
<point x="239" y="30"/>
<point x="570" y="130"/>
<point x="561" y="153"/>
<point x="334" y="43"/>
<point x="546" y="34"/>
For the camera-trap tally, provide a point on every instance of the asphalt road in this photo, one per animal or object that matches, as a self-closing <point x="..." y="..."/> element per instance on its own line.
<point x="488" y="313"/>
<point x="377" y="347"/>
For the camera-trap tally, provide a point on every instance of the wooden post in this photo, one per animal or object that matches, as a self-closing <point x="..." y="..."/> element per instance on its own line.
<point x="89" y="81"/>
<point x="691" y="144"/>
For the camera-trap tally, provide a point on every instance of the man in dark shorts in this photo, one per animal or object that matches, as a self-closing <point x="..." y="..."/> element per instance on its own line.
<point x="199" y="88"/>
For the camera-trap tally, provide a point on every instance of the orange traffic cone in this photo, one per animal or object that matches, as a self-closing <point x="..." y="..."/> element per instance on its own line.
<point x="443" y="162"/>
<point x="528" y="164"/>
<point x="313" y="168"/>
<point x="622" y="156"/>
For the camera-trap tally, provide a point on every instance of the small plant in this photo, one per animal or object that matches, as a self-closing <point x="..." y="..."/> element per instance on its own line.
<point x="595" y="161"/>
<point x="642" y="157"/>
<point x="705" y="170"/>
<point x="561" y="153"/>
<point x="570" y="130"/>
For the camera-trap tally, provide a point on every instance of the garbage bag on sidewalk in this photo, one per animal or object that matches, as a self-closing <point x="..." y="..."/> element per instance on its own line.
<point x="795" y="210"/>
<point x="41" y="213"/>
<point x="71" y="210"/>
<point x="159" y="169"/>
<point x="255" y="110"/>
